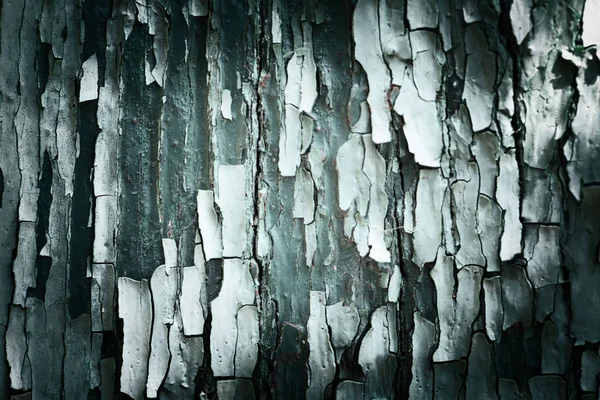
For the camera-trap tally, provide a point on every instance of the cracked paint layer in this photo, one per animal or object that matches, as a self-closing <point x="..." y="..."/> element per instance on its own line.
<point x="371" y="200"/>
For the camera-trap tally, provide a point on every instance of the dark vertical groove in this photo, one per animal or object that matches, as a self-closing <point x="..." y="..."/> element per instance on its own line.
<point x="139" y="237"/>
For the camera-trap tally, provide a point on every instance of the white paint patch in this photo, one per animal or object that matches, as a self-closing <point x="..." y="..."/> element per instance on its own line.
<point x="232" y="202"/>
<point x="321" y="362"/>
<point x="16" y="350"/>
<point x="394" y="285"/>
<point x="192" y="313"/>
<point x="507" y="195"/>
<point x="246" y="348"/>
<point x="543" y="255"/>
<point x="275" y="23"/>
<point x="423" y="340"/>
<point x="24" y="264"/>
<point x="493" y="307"/>
<point x="422" y="14"/>
<point x="304" y="192"/>
<point x="105" y="219"/>
<point x="237" y="290"/>
<point x="290" y="142"/>
<point x="226" y="101"/>
<point x="135" y="309"/>
<point x="187" y="354"/>
<point x="427" y="234"/>
<point x="456" y="311"/>
<point x="170" y="252"/>
<point x="343" y="322"/>
<point x="422" y="126"/>
<point x="164" y="291"/>
<point x="376" y="353"/>
<point x="368" y="53"/>
<point x="88" y="89"/>
<point x="209" y="225"/>
<point x="480" y="77"/>
<point x="374" y="170"/>
<point x="520" y="18"/>
<point x="489" y="223"/>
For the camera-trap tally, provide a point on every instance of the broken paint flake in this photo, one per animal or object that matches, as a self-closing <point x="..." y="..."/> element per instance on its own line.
<point x="304" y="193"/>
<point x="508" y="197"/>
<point x="428" y="59"/>
<point x="88" y="89"/>
<point x="187" y="354"/>
<point x="590" y="368"/>
<point x="192" y="312"/>
<point x="105" y="220"/>
<point x="456" y="312"/>
<point x="520" y="18"/>
<point x="290" y="142"/>
<point x="375" y="171"/>
<point x="542" y="251"/>
<point x="422" y="126"/>
<point x="369" y="54"/>
<point x="170" y="254"/>
<point x="465" y="198"/>
<point x="493" y="307"/>
<point x="375" y="355"/>
<point x="517" y="296"/>
<point x="16" y="350"/>
<point x="237" y="290"/>
<point x="293" y="92"/>
<point x="275" y="23"/>
<point x="591" y="29"/>
<point x="480" y="380"/>
<point x="246" y="347"/>
<point x="104" y="279"/>
<point x="135" y="309"/>
<point x="353" y="184"/>
<point x="232" y="202"/>
<point x="164" y="292"/>
<point x="350" y="390"/>
<point x="159" y="28"/>
<point x="427" y="234"/>
<point x="480" y="76"/>
<point x="363" y="124"/>
<point x="423" y="342"/>
<point x="226" y="104"/>
<point x="422" y="14"/>
<point x="489" y="225"/>
<point x="394" y="285"/>
<point x="198" y="8"/>
<point x="343" y="321"/>
<point x="209" y="225"/>
<point x="321" y="361"/>
<point x="583" y="161"/>
<point x="308" y="84"/>
<point x="24" y="269"/>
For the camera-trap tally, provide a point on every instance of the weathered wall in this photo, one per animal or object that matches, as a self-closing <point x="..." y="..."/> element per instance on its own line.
<point x="299" y="199"/>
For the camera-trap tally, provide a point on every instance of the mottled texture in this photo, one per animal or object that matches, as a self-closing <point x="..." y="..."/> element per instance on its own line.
<point x="299" y="199"/>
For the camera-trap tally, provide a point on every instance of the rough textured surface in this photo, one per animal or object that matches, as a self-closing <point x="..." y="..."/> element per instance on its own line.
<point x="299" y="199"/>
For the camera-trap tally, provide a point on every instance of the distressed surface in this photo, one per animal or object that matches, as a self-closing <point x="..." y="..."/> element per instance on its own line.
<point x="299" y="199"/>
